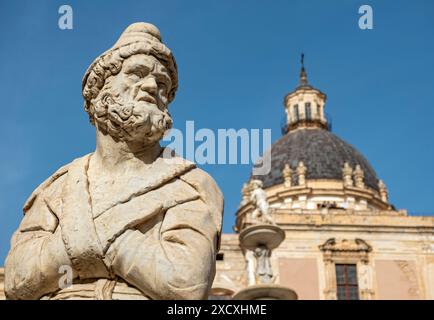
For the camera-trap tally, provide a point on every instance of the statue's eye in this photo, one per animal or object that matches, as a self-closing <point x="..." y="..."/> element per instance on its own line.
<point x="162" y="84"/>
<point x="162" y="87"/>
<point x="139" y="73"/>
<point x="134" y="76"/>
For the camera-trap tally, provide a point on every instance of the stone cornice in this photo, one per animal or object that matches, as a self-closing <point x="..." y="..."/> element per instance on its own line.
<point x="279" y="193"/>
<point x="372" y="223"/>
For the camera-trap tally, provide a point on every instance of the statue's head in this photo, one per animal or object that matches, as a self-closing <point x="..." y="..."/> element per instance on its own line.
<point x="128" y="88"/>
<point x="256" y="184"/>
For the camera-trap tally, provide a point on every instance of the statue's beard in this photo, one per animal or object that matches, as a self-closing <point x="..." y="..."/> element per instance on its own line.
<point x="130" y="121"/>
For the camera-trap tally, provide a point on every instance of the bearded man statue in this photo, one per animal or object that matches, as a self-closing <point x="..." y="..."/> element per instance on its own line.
<point x="130" y="220"/>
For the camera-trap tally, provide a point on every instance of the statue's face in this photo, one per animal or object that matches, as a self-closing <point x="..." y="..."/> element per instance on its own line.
<point x="143" y="79"/>
<point x="132" y="106"/>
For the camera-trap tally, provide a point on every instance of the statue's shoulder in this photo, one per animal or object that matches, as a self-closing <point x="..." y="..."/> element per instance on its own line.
<point x="201" y="180"/>
<point x="169" y="165"/>
<point x="52" y="183"/>
<point x="208" y="190"/>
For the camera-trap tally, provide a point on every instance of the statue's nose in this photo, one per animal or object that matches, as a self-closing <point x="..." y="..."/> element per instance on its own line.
<point x="149" y="85"/>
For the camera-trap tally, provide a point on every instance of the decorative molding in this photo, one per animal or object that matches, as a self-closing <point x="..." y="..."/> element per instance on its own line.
<point x="384" y="194"/>
<point x="351" y="252"/>
<point x="287" y="176"/>
<point x="301" y="173"/>
<point x="359" y="177"/>
<point x="411" y="277"/>
<point x="344" y="249"/>
<point x="347" y="175"/>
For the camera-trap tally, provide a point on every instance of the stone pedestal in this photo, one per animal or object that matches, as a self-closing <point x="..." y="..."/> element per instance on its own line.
<point x="261" y="239"/>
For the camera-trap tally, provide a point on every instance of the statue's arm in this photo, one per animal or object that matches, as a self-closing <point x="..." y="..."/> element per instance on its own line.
<point x="37" y="251"/>
<point x="178" y="263"/>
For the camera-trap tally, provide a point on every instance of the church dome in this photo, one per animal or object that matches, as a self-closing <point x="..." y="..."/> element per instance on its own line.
<point x="322" y="153"/>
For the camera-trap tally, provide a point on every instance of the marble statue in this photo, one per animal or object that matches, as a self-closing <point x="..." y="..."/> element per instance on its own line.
<point x="258" y="197"/>
<point x="130" y="221"/>
<point x="264" y="271"/>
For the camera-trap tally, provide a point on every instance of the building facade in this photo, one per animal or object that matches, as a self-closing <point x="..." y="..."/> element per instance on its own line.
<point x="343" y="239"/>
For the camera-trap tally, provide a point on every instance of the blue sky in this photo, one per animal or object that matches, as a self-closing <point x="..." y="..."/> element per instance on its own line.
<point x="237" y="59"/>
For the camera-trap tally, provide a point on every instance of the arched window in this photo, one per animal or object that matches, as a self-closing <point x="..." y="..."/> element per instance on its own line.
<point x="308" y="111"/>
<point x="296" y="114"/>
<point x="318" y="111"/>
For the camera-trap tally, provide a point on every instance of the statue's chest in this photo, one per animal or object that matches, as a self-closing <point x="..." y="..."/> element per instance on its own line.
<point x="106" y="192"/>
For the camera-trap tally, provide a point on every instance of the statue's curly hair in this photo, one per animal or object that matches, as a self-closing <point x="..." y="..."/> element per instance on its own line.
<point x="110" y="63"/>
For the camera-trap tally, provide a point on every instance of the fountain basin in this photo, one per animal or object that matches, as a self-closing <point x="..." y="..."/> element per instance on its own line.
<point x="266" y="292"/>
<point x="257" y="235"/>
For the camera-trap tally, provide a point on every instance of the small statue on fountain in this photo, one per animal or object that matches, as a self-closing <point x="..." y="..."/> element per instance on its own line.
<point x="264" y="271"/>
<point x="262" y="212"/>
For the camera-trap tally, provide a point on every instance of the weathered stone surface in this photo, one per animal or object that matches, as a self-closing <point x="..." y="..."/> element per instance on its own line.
<point x="130" y="222"/>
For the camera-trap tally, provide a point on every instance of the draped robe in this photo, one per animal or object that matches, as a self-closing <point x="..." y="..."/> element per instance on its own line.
<point x="156" y="239"/>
